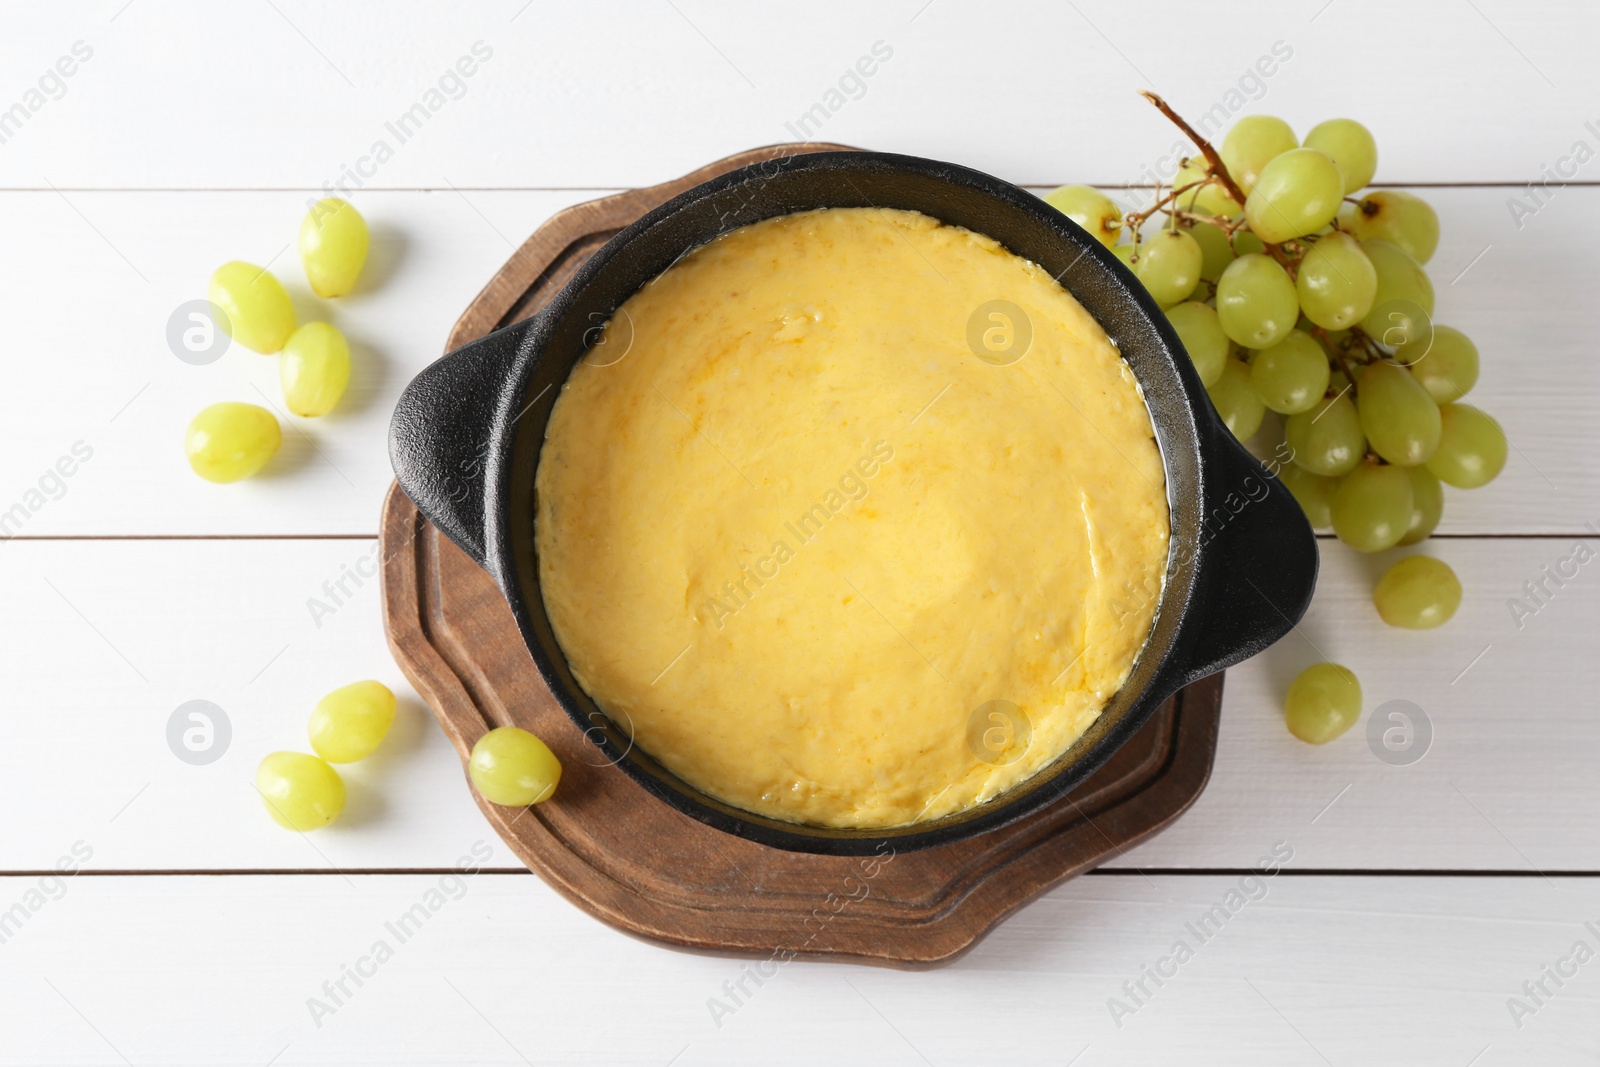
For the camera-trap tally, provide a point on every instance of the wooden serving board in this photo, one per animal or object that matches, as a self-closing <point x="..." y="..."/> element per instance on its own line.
<point x="630" y="859"/>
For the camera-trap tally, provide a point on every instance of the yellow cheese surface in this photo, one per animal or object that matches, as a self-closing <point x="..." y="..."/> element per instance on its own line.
<point x="832" y="544"/>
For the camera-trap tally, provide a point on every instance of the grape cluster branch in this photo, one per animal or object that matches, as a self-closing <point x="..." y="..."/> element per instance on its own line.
<point x="1219" y="169"/>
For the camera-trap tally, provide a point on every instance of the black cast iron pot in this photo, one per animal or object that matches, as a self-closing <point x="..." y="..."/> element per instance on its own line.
<point x="466" y="436"/>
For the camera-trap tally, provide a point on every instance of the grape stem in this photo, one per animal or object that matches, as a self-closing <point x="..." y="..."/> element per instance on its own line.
<point x="1212" y="157"/>
<point x="1338" y="355"/>
<point x="1137" y="219"/>
<point x="1218" y="168"/>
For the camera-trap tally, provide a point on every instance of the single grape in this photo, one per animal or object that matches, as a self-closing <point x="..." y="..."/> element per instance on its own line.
<point x="351" y="722"/>
<point x="1211" y="198"/>
<point x="1252" y="143"/>
<point x="1089" y="208"/>
<point x="1327" y="439"/>
<point x="1202" y="336"/>
<point x="1472" y="447"/>
<point x="1402" y="307"/>
<point x="1427" y="505"/>
<point x="1398" y="416"/>
<point x="1292" y="375"/>
<point x="1410" y="334"/>
<point x="1124" y="253"/>
<point x="1296" y="194"/>
<point x="1337" y="282"/>
<point x="1372" y="507"/>
<point x="1395" y="215"/>
<point x="1240" y="408"/>
<point x="333" y="246"/>
<point x="256" y="309"/>
<point x="1449" y="368"/>
<point x="1323" y="702"/>
<point x="1169" y="266"/>
<point x="230" y="441"/>
<point x="314" y="369"/>
<point x="1313" y="491"/>
<point x="1256" y="302"/>
<point x="300" y="792"/>
<point x="1246" y="243"/>
<point x="1350" y="145"/>
<point x="514" y="768"/>
<point x="1215" y="250"/>
<point x="1418" y="593"/>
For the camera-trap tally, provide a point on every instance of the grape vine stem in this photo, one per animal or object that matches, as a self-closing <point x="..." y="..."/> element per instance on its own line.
<point x="1218" y="168"/>
<point x="1338" y="355"/>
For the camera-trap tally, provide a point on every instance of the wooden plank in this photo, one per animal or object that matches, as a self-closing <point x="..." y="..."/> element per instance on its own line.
<point x="132" y="629"/>
<point x="292" y="94"/>
<point x="102" y="373"/>
<point x="496" y="969"/>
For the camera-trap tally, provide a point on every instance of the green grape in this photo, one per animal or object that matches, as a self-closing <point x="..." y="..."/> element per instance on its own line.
<point x="1449" y="368"/>
<point x="1397" y="216"/>
<point x="1202" y="337"/>
<point x="1089" y="208"/>
<point x="1215" y="251"/>
<point x="1240" y="408"/>
<point x="1372" y="507"/>
<point x="1327" y="440"/>
<point x="314" y="368"/>
<point x="514" y="768"/>
<point x="351" y="722"/>
<point x="1246" y="243"/>
<point x="1402" y="307"/>
<point x="1124" y="253"/>
<point x="1418" y="593"/>
<point x="1212" y="198"/>
<point x="1323" y="702"/>
<point x="1398" y="416"/>
<point x="1256" y="302"/>
<point x="1337" y="282"/>
<point x="1410" y="333"/>
<point x="1313" y="491"/>
<point x="1292" y="375"/>
<point x="1472" y="447"/>
<point x="1427" y="505"/>
<point x="1255" y="141"/>
<point x="1296" y="194"/>
<point x="333" y="246"/>
<point x="1350" y="145"/>
<point x="1169" y="266"/>
<point x="230" y="441"/>
<point x="300" y="792"/>
<point x="256" y="309"/>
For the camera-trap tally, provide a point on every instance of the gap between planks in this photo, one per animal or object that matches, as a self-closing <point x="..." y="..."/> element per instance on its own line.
<point x="1557" y="535"/>
<point x="1105" y="872"/>
<point x="632" y="188"/>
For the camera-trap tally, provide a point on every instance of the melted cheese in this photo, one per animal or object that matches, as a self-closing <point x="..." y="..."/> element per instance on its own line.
<point x="827" y="563"/>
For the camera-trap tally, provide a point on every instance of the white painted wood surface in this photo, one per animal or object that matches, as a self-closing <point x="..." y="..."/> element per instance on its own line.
<point x="203" y="970"/>
<point x="195" y="132"/>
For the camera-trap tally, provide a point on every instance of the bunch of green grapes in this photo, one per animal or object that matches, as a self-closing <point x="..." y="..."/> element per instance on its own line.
<point x="1294" y="291"/>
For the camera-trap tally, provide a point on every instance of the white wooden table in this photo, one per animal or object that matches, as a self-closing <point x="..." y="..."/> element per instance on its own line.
<point x="1419" y="899"/>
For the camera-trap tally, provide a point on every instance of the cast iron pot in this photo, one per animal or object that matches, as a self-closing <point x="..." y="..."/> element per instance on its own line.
<point x="466" y="436"/>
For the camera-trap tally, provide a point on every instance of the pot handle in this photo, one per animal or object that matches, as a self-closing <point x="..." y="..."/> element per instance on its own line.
<point x="445" y="438"/>
<point x="1257" y="561"/>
